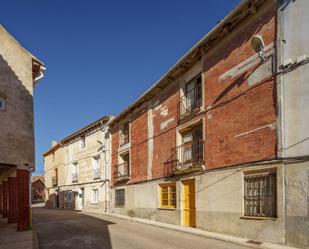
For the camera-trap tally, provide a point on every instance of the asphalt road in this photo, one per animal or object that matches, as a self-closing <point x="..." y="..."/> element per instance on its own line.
<point x="62" y="229"/>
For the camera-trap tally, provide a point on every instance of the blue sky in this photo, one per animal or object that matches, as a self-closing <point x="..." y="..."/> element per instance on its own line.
<point x="101" y="55"/>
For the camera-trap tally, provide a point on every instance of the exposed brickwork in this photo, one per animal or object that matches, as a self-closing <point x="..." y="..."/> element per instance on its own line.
<point x="164" y="139"/>
<point x="250" y="110"/>
<point x="239" y="119"/>
<point x="139" y="146"/>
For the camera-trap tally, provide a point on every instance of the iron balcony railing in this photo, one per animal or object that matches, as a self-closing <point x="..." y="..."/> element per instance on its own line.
<point x="74" y="177"/>
<point x="96" y="173"/>
<point x="54" y="180"/>
<point x="189" y="102"/>
<point x="122" y="171"/>
<point x="187" y="156"/>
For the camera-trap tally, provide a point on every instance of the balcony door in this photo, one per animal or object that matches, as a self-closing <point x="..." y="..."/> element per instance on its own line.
<point x="192" y="145"/>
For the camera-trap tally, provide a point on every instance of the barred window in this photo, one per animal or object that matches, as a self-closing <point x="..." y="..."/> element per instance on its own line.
<point x="260" y="195"/>
<point x="119" y="197"/>
<point x="168" y="195"/>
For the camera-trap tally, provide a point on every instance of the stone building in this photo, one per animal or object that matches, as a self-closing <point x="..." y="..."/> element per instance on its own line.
<point x="19" y="73"/>
<point x="77" y="169"/>
<point x="213" y="144"/>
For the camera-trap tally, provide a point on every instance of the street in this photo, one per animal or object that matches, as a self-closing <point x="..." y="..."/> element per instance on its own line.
<point x="62" y="229"/>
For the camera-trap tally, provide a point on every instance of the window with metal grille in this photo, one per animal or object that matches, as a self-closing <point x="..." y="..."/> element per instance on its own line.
<point x="260" y="195"/>
<point x="168" y="195"/>
<point x="119" y="197"/>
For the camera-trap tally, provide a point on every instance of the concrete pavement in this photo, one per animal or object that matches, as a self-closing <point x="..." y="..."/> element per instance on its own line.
<point x="11" y="239"/>
<point x="62" y="229"/>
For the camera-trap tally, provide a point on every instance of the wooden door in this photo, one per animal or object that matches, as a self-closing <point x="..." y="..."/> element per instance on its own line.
<point x="189" y="203"/>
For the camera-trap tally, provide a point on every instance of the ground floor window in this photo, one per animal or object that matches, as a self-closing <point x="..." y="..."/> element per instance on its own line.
<point x="119" y="197"/>
<point x="260" y="194"/>
<point x="168" y="195"/>
<point x="95" y="196"/>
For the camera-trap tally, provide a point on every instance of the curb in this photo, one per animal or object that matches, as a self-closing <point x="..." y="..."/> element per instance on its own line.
<point x="198" y="232"/>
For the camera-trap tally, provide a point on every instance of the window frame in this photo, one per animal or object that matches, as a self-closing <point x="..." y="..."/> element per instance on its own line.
<point x="122" y="139"/>
<point x="95" y="193"/>
<point x="170" y="187"/>
<point x="270" y="196"/>
<point x="123" y="203"/>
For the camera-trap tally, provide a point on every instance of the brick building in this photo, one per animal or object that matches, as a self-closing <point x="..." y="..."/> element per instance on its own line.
<point x="19" y="73"/>
<point x="203" y="146"/>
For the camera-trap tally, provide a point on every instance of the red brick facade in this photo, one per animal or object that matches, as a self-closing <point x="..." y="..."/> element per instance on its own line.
<point x="238" y="118"/>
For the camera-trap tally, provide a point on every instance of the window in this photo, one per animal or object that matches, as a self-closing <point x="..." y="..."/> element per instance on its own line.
<point x="95" y="196"/>
<point x="74" y="172"/>
<point x="168" y="195"/>
<point x="82" y="142"/>
<point x="191" y="150"/>
<point x="2" y="104"/>
<point x="96" y="167"/>
<point x="260" y="195"/>
<point x="192" y="98"/>
<point x="124" y="134"/>
<point x="119" y="197"/>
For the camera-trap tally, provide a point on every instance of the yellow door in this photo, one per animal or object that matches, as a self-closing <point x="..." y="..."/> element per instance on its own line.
<point x="188" y="203"/>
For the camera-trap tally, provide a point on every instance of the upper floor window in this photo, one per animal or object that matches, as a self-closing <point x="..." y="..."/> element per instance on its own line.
<point x="74" y="172"/>
<point x="260" y="194"/>
<point x="82" y="142"/>
<point x="124" y="133"/>
<point x="2" y="104"/>
<point x="192" y="98"/>
<point x="96" y="167"/>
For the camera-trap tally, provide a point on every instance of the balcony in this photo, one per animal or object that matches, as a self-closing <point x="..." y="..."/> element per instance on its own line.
<point x="122" y="172"/>
<point x="186" y="158"/>
<point x="54" y="181"/>
<point x="190" y="103"/>
<point x="74" y="177"/>
<point x="96" y="173"/>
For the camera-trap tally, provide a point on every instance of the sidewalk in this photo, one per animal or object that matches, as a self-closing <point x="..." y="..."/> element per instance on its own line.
<point x="198" y="232"/>
<point x="11" y="239"/>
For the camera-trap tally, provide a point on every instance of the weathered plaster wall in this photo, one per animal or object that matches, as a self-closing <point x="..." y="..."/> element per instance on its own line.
<point x="220" y="204"/>
<point x="294" y="99"/>
<point x="297" y="204"/>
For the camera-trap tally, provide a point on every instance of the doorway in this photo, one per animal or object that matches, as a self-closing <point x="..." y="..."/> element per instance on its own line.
<point x="188" y="196"/>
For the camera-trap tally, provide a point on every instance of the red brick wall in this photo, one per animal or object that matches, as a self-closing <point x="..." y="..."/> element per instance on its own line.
<point x="250" y="108"/>
<point x="164" y="139"/>
<point x="235" y="108"/>
<point x="139" y="155"/>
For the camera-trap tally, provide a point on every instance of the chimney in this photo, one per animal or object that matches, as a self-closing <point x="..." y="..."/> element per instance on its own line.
<point x="54" y="143"/>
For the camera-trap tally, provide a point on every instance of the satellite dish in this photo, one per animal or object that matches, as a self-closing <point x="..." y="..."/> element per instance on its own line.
<point x="258" y="46"/>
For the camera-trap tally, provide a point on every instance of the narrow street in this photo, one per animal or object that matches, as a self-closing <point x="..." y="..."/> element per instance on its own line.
<point x="61" y="229"/>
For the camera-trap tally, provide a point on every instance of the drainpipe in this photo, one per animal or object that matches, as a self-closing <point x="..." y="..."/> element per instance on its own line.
<point x="104" y="151"/>
<point x="41" y="75"/>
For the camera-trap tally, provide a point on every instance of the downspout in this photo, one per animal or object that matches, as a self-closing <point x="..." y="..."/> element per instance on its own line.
<point x="41" y="75"/>
<point x="105" y="179"/>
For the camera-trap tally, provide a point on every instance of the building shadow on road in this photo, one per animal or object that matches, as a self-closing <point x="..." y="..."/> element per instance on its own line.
<point x="66" y="229"/>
